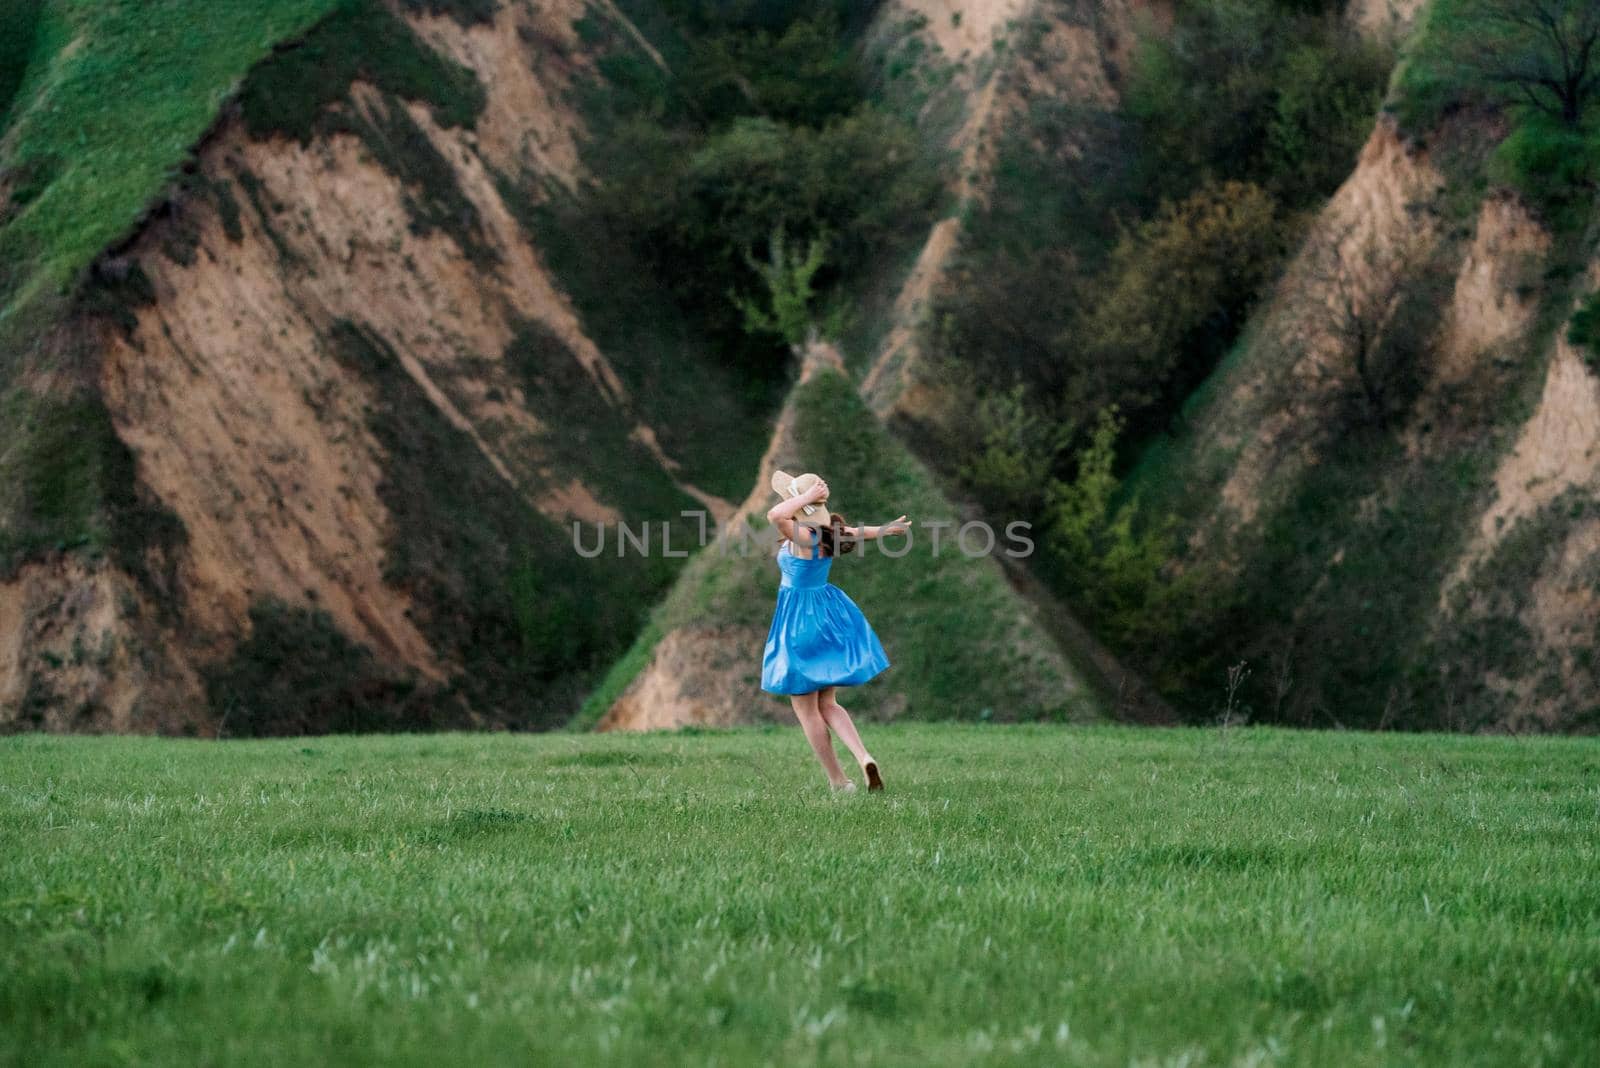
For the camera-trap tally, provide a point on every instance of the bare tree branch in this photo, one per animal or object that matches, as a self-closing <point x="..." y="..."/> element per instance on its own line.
<point x="1541" y="51"/>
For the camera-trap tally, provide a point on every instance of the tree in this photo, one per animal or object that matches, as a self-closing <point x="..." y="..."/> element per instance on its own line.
<point x="1370" y="304"/>
<point x="787" y="276"/>
<point x="1112" y="560"/>
<point x="1019" y="449"/>
<point x="1544" y="53"/>
<point x="1176" y="291"/>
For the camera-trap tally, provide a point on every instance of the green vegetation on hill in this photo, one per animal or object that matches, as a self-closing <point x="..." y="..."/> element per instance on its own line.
<point x="1123" y="246"/>
<point x="758" y="120"/>
<point x="1489" y="648"/>
<point x="297" y="673"/>
<point x="1584" y="330"/>
<point x="361" y="39"/>
<point x="16" y="47"/>
<point x="763" y="122"/>
<point x="1334" y="630"/>
<point x="109" y="101"/>
<point x="67" y="483"/>
<point x="464" y="12"/>
<point x="296" y="91"/>
<point x="1118" y="264"/>
<point x="1534" y="63"/>
<point x="1023" y="895"/>
<point x="114" y="97"/>
<point x="707" y="415"/>
<point x="958" y="635"/>
<point x="1114" y="266"/>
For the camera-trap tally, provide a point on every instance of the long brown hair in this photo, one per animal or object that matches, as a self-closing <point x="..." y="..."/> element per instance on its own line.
<point x="830" y="540"/>
<point x="834" y="541"/>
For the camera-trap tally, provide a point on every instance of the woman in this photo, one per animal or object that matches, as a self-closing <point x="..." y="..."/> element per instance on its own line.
<point x="819" y="640"/>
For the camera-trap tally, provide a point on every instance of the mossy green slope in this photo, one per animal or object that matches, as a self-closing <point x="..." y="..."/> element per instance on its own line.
<point x="112" y="100"/>
<point x="963" y="643"/>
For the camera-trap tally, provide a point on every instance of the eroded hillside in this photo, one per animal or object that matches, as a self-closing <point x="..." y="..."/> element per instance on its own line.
<point x="964" y="644"/>
<point x="1278" y="323"/>
<point x="1359" y="480"/>
<point x="354" y="414"/>
<point x="1388" y="488"/>
<point x="970" y="639"/>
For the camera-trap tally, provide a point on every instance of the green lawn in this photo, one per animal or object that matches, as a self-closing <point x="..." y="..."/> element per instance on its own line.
<point x="1019" y="895"/>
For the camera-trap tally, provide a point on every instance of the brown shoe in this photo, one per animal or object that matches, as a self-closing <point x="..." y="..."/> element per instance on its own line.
<point x="874" y="780"/>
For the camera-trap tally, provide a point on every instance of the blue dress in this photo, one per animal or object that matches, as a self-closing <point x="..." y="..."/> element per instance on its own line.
<point x="818" y="638"/>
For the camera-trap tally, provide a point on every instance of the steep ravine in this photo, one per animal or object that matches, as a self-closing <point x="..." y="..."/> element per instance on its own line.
<point x="698" y="662"/>
<point x="325" y="329"/>
<point x="1442" y="556"/>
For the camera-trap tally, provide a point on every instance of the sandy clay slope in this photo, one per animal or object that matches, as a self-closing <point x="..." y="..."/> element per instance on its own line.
<point x="258" y="440"/>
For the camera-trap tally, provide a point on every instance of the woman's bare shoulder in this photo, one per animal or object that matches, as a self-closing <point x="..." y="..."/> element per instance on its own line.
<point x="788" y="546"/>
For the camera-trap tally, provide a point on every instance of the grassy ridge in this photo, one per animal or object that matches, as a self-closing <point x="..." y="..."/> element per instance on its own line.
<point x="1023" y="896"/>
<point x="116" y="94"/>
<point x="958" y="636"/>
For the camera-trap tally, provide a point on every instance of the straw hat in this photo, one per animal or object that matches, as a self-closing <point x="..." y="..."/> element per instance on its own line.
<point x="786" y="485"/>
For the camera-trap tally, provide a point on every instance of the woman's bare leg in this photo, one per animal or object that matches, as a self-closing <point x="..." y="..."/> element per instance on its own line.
<point x="805" y="710"/>
<point x="835" y="716"/>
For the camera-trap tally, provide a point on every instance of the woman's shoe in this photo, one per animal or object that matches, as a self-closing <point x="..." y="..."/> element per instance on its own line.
<point x="846" y="787"/>
<point x="870" y="770"/>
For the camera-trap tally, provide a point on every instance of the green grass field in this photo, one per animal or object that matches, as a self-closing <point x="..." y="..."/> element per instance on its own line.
<point x="1019" y="895"/>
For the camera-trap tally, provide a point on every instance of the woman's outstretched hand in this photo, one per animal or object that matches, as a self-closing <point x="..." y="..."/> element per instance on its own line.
<point x="899" y="526"/>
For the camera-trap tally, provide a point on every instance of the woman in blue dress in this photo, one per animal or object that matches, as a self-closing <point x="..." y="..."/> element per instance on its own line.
<point x="819" y="640"/>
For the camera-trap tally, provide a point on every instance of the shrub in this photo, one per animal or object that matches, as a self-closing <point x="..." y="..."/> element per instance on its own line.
<point x="1109" y="561"/>
<point x="16" y="45"/>
<point x="787" y="275"/>
<point x="1584" y="330"/>
<point x="803" y="74"/>
<point x="1242" y="89"/>
<point x="298" y="673"/>
<point x="1174" y="295"/>
<point x="762" y="125"/>
<point x="1531" y="59"/>
<point x="361" y="39"/>
<point x="1020" y="448"/>
<point x="1555" y="166"/>
<point x="713" y="202"/>
<point x="1121" y="251"/>
<point x="67" y="481"/>
<point x="1327" y="94"/>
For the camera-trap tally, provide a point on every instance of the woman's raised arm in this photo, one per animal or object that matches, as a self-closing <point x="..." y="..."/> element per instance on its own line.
<point x="899" y="526"/>
<point x="781" y="515"/>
